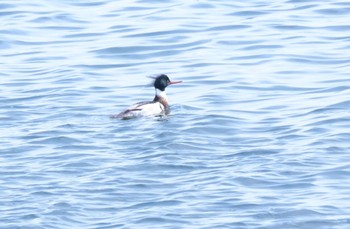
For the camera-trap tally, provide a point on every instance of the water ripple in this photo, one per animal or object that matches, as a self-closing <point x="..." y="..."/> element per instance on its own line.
<point x="258" y="130"/>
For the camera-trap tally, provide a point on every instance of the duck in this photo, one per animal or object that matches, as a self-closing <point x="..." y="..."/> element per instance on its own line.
<point x="159" y="106"/>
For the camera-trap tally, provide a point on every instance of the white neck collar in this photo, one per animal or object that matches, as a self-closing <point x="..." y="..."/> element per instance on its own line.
<point x="161" y="94"/>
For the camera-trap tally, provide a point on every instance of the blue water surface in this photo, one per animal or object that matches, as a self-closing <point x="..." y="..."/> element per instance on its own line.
<point x="258" y="136"/>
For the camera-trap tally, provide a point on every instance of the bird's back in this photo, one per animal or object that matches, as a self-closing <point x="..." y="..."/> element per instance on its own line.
<point x="146" y="108"/>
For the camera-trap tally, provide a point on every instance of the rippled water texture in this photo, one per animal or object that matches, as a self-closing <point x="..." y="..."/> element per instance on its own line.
<point x="258" y="136"/>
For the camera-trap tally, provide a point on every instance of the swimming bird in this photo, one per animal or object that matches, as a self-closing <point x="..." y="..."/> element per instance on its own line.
<point x="159" y="106"/>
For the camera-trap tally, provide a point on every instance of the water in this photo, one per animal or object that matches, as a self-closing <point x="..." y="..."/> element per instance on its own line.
<point x="258" y="136"/>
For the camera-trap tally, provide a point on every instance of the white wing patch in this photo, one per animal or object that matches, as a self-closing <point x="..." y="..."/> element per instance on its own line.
<point x="151" y="109"/>
<point x="143" y="109"/>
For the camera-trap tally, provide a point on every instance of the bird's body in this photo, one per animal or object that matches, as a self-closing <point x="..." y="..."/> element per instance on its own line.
<point x="159" y="106"/>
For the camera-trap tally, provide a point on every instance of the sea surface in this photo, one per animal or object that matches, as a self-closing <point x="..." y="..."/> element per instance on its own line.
<point x="258" y="135"/>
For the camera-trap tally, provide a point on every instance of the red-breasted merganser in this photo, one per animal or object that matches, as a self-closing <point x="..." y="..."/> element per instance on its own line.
<point x="159" y="105"/>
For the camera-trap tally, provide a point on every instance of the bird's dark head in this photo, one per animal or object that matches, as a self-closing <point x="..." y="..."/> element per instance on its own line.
<point x="162" y="81"/>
